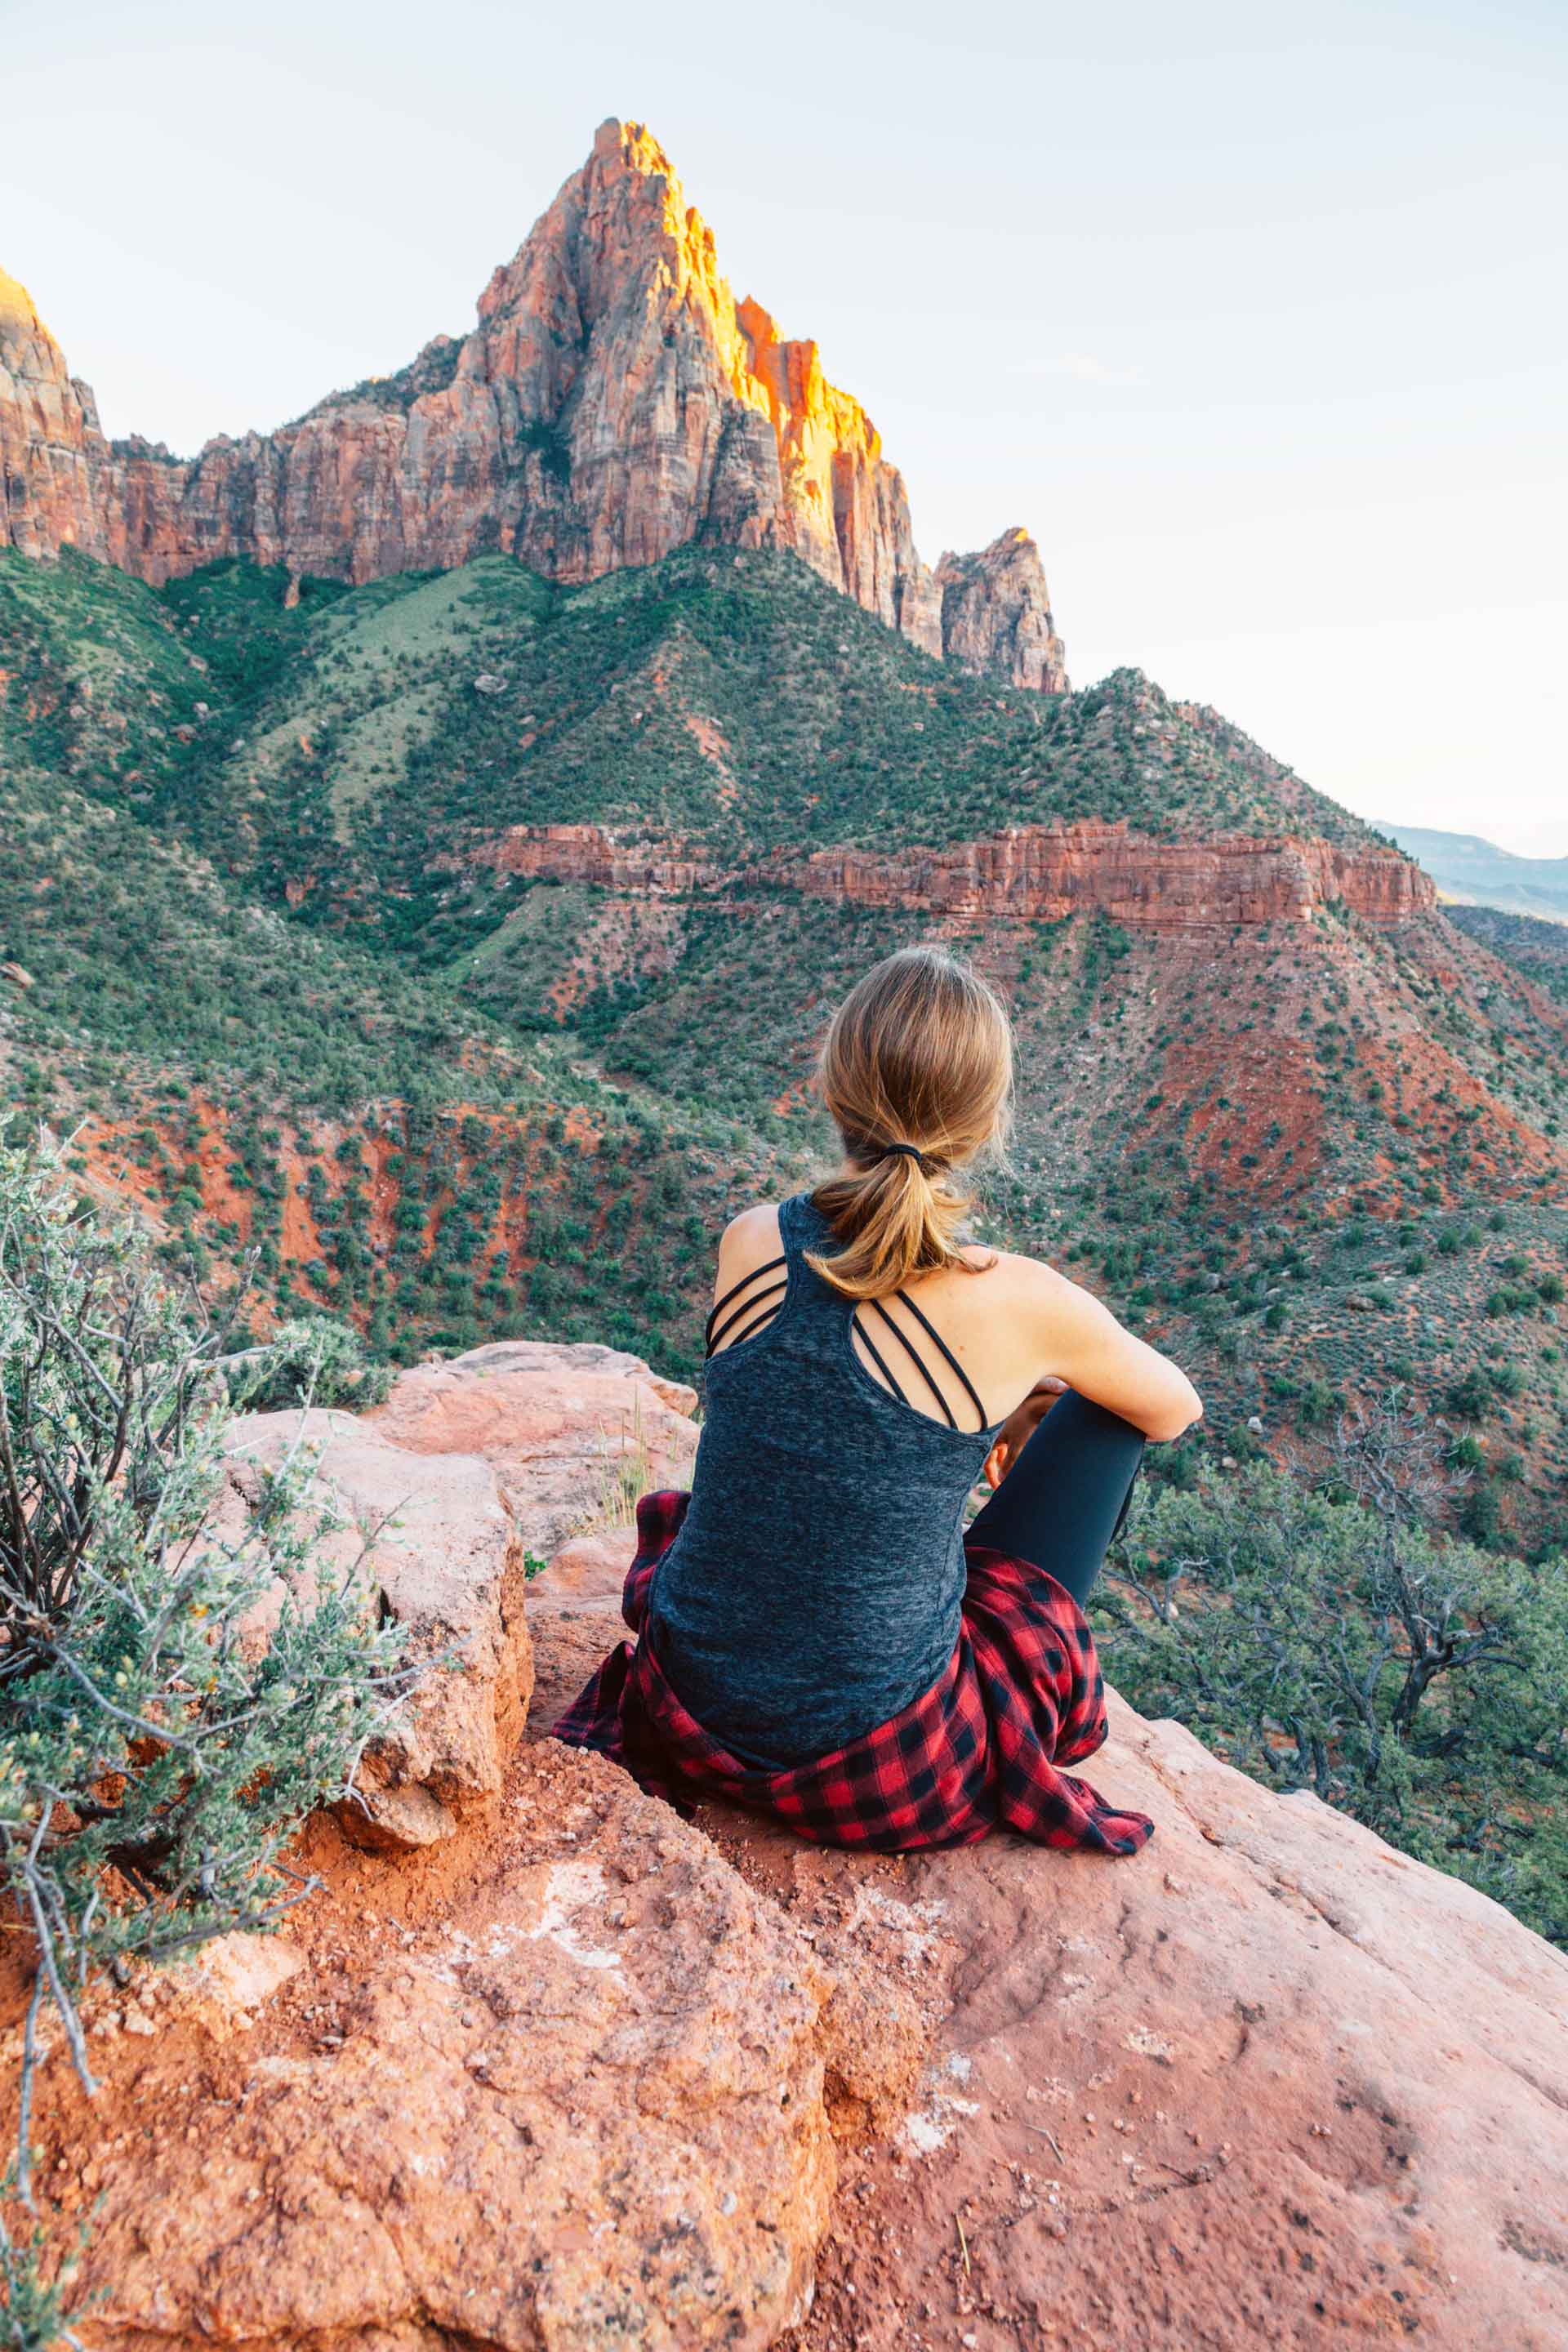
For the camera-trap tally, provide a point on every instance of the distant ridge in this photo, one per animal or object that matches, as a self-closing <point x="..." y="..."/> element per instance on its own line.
<point x="1477" y="873"/>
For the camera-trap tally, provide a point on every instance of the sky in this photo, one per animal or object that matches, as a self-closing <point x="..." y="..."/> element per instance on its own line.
<point x="1253" y="316"/>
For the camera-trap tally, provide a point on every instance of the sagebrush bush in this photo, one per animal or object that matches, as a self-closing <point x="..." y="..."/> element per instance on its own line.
<point x="314" y="1359"/>
<point x="156" y="1751"/>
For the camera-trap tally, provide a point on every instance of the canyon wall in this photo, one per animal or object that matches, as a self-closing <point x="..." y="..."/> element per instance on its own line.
<point x="1032" y="873"/>
<point x="612" y="401"/>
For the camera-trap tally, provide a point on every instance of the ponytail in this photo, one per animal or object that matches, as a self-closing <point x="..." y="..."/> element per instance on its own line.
<point x="917" y="1071"/>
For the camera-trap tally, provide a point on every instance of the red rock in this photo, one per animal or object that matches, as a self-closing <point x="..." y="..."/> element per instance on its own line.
<point x="1042" y="873"/>
<point x="435" y="1548"/>
<point x="570" y="1431"/>
<point x="614" y="402"/>
<point x="52" y="450"/>
<point x="996" y="614"/>
<point x="573" y="2077"/>
<point x="1030" y="873"/>
<point x="566" y="2084"/>
<point x="1271" y="2083"/>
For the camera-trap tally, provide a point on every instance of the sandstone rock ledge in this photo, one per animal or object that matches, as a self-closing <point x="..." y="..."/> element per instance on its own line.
<point x="1272" y="2083"/>
<point x="435" y="1547"/>
<point x="568" y="2091"/>
<point x="579" y="2075"/>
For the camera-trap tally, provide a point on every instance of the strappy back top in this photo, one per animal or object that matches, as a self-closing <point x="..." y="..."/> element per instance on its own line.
<point x="814" y="1587"/>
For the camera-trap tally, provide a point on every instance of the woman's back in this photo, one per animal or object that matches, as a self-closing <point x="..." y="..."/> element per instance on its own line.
<point x="814" y="1633"/>
<point x="816" y="1585"/>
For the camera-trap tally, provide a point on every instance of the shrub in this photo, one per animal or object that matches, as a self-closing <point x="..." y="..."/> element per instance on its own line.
<point x="315" y="1360"/>
<point x="152" y="1767"/>
<point x="1325" y="1635"/>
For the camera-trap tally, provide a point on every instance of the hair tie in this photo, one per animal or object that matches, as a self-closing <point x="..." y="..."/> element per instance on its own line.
<point x="907" y="1150"/>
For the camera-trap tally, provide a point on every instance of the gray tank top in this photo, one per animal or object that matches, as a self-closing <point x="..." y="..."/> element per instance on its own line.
<point x="814" y="1587"/>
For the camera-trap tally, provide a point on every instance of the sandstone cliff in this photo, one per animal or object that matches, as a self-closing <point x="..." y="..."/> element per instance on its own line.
<point x="612" y="401"/>
<point x="1027" y="873"/>
<point x="53" y="458"/>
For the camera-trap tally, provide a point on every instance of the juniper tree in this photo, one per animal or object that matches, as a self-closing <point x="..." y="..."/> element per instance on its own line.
<point x="1326" y="1633"/>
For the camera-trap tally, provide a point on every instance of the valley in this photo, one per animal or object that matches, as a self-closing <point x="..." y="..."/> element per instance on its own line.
<point x="426" y="939"/>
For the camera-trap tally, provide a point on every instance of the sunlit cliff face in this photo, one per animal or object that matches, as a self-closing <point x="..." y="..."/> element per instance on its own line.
<point x="613" y="403"/>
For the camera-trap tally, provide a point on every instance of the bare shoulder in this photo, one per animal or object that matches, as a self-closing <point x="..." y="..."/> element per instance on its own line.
<point x="751" y="1237"/>
<point x="753" y="1224"/>
<point x="1036" y="1287"/>
<point x="1009" y="1270"/>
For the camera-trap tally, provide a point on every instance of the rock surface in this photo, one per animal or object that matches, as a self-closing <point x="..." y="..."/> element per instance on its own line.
<point x="52" y="452"/>
<point x="1042" y="873"/>
<point x="612" y="401"/>
<point x="565" y="2083"/>
<point x="1028" y="873"/>
<point x="1273" y="2083"/>
<point x="996" y="614"/>
<point x="435" y="1547"/>
<point x="573" y="1432"/>
<point x="583" y="2076"/>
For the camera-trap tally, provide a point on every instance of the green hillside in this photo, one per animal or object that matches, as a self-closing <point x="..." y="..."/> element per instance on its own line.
<point x="731" y="700"/>
<point x="382" y="1150"/>
<point x="1308" y="1158"/>
<point x="1536" y="948"/>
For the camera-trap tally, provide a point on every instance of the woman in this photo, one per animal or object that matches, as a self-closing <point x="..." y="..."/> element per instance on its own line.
<point x="817" y="1636"/>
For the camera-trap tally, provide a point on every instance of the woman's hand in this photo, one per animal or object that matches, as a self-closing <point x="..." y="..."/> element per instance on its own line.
<point x="1020" y="1426"/>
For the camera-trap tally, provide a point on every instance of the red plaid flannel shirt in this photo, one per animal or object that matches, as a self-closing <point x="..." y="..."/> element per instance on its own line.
<point x="980" y="1750"/>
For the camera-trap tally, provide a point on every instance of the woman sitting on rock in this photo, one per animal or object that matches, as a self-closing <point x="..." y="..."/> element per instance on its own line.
<point x="818" y="1635"/>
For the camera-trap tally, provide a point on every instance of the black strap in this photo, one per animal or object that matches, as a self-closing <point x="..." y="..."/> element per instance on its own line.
<point x="921" y="1365"/>
<point x="760" y="1298"/>
<point x="969" y="1385"/>
<point x="870" y="1348"/>
<point x="765" y="1319"/>
<point x="771" y="1266"/>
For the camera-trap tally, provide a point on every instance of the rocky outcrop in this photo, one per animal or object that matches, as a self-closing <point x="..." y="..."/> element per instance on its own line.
<point x="585" y="2076"/>
<point x="1042" y="873"/>
<point x="996" y="614"/>
<point x="1031" y="873"/>
<point x="1274" y="2083"/>
<point x="591" y="853"/>
<point x="614" y="402"/>
<point x="572" y="2090"/>
<point x="560" y="2079"/>
<point x="434" y="1548"/>
<point x="568" y="1429"/>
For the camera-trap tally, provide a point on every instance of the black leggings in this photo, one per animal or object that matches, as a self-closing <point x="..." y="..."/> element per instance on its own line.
<point x="1062" y="1503"/>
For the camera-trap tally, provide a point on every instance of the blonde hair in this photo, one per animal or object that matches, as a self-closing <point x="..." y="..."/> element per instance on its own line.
<point x="918" y="1057"/>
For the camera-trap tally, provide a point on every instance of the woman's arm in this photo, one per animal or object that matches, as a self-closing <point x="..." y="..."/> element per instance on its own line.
<point x="1083" y="1344"/>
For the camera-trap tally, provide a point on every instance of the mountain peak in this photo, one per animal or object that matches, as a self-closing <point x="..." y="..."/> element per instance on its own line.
<point x="997" y="614"/>
<point x="636" y="146"/>
<point x="17" y="310"/>
<point x="613" y="403"/>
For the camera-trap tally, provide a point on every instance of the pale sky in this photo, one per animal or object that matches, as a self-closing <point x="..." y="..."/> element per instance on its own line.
<point x="1254" y="316"/>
